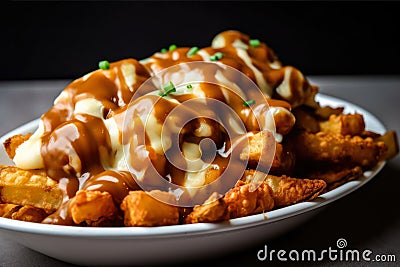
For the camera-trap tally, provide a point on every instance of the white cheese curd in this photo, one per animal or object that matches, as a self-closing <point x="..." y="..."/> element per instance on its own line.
<point x="28" y="154"/>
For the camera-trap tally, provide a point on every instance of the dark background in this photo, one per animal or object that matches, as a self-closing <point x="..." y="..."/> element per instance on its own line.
<point x="41" y="40"/>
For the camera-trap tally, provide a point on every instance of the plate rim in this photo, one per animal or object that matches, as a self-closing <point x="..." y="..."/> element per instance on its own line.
<point x="198" y="228"/>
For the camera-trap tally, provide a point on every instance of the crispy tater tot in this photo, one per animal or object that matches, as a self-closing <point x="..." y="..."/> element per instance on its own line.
<point x="92" y="207"/>
<point x="142" y="209"/>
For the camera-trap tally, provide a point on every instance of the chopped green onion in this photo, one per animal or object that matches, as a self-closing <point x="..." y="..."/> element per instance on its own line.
<point x="172" y="47"/>
<point x="189" y="86"/>
<point x="216" y="56"/>
<point x="164" y="50"/>
<point x="192" y="51"/>
<point x="104" y="65"/>
<point x="254" y="42"/>
<point x="168" y="88"/>
<point x="249" y="102"/>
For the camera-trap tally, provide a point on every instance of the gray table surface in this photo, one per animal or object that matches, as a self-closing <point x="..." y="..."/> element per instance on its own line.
<point x="368" y="218"/>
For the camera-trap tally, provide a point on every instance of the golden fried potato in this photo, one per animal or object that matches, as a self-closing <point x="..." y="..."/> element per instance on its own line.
<point x="242" y="202"/>
<point x="337" y="149"/>
<point x="274" y="192"/>
<point x="142" y="209"/>
<point x="29" y="187"/>
<point x="6" y="210"/>
<point x="237" y="202"/>
<point x="92" y="207"/>
<point x="214" y="209"/>
<point x="288" y="190"/>
<point x="22" y="213"/>
<point x="29" y="214"/>
<point x="335" y="177"/>
<point x="391" y="141"/>
<point x="344" y="124"/>
<point x="260" y="145"/>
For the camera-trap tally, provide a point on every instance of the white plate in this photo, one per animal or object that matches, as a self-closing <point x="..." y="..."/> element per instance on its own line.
<point x="143" y="245"/>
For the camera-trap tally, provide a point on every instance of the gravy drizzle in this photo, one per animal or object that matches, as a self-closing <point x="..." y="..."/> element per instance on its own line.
<point x="82" y="144"/>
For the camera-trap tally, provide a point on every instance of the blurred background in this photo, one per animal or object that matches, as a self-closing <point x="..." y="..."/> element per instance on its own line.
<point x="64" y="40"/>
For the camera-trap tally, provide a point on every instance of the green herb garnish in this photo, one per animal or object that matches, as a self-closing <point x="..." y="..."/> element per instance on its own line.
<point x="189" y="86"/>
<point x="254" y="42"/>
<point x="216" y="56"/>
<point x="104" y="65"/>
<point x="168" y="88"/>
<point x="172" y="47"/>
<point x="249" y="102"/>
<point x="164" y="50"/>
<point x="192" y="51"/>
